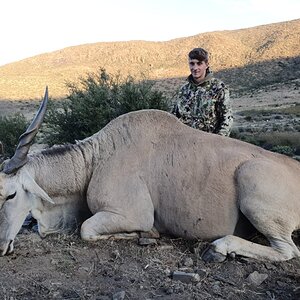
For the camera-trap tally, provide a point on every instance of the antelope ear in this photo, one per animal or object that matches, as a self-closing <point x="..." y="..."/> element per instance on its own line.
<point x="31" y="186"/>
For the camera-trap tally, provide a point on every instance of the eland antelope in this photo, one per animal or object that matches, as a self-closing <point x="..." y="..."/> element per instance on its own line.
<point x="145" y="170"/>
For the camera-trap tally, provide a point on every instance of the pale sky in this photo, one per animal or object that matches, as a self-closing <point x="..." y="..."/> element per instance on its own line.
<point x="32" y="27"/>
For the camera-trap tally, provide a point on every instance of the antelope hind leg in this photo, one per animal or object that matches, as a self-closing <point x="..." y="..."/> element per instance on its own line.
<point x="232" y="245"/>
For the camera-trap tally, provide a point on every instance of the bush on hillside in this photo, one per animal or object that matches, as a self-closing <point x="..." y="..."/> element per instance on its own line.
<point x="11" y="127"/>
<point x="94" y="102"/>
<point x="286" y="150"/>
<point x="287" y="143"/>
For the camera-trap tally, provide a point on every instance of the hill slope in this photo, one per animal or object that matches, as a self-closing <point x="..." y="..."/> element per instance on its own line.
<point x="266" y="51"/>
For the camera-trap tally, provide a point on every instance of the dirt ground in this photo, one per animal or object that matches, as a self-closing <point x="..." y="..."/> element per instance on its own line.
<point x="65" y="267"/>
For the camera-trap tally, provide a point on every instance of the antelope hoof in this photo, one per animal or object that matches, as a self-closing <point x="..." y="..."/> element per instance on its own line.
<point x="211" y="256"/>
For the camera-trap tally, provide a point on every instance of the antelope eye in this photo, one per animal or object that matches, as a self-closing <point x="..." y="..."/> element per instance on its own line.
<point x="11" y="196"/>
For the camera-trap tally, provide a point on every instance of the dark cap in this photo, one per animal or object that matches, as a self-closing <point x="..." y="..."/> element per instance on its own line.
<point x="199" y="54"/>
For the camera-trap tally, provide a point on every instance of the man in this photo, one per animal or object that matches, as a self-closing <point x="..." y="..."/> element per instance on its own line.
<point x="203" y="102"/>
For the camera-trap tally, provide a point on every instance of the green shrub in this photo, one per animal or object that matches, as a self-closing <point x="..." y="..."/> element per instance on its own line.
<point x="287" y="143"/>
<point x="94" y="102"/>
<point x="11" y="128"/>
<point x="271" y="139"/>
<point x="287" y="150"/>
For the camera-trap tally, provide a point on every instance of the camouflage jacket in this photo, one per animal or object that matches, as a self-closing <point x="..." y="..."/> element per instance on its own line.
<point x="205" y="106"/>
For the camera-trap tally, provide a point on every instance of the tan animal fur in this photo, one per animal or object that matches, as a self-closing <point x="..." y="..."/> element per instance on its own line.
<point x="147" y="169"/>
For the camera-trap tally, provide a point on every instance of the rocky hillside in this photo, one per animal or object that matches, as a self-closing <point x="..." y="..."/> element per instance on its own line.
<point x="247" y="58"/>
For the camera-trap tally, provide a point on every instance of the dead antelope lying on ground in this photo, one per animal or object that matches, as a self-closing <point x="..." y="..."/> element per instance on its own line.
<point x="146" y="169"/>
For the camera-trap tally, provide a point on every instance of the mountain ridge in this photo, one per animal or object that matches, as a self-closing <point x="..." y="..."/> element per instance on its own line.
<point x="230" y="50"/>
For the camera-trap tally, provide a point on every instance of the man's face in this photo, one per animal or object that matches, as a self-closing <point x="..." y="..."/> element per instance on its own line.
<point x="198" y="69"/>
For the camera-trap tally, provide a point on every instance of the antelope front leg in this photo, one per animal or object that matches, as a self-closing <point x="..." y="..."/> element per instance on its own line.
<point x="106" y="225"/>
